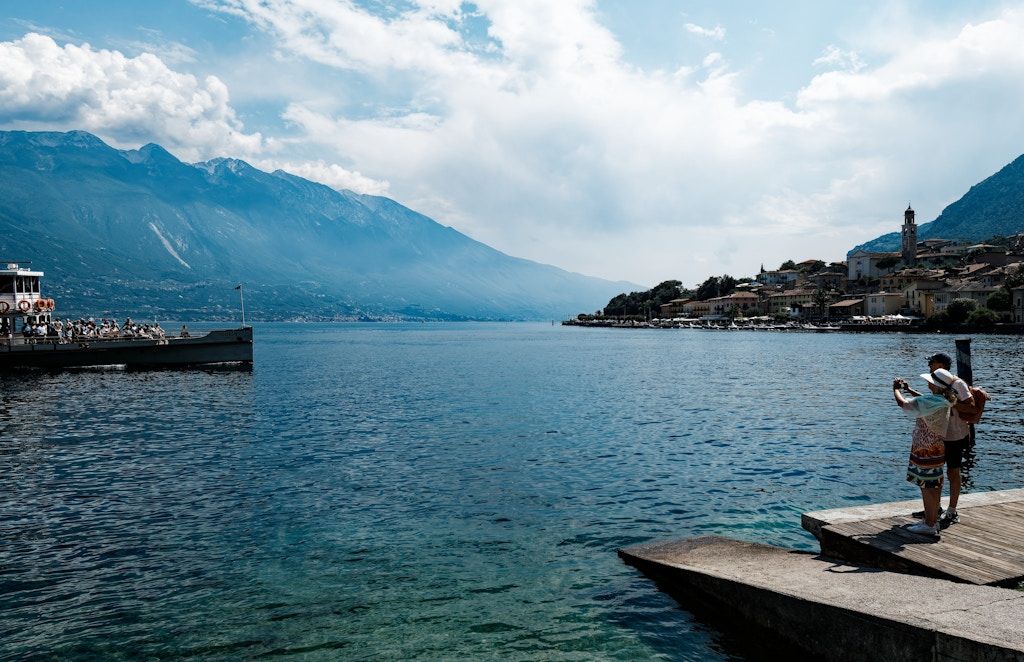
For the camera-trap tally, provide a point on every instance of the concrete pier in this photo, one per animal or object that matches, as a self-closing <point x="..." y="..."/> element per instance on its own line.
<point x="834" y="610"/>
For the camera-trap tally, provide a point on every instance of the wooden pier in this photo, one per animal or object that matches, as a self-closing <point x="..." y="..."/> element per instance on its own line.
<point x="986" y="547"/>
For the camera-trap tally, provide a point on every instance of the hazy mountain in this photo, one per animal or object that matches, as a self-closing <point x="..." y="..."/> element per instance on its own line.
<point x="141" y="232"/>
<point x="993" y="207"/>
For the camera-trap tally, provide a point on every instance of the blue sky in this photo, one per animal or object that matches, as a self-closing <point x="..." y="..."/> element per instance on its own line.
<point x="629" y="140"/>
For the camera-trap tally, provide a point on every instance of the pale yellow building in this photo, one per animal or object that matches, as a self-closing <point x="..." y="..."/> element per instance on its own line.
<point x="919" y="296"/>
<point x="883" y="303"/>
<point x="790" y="301"/>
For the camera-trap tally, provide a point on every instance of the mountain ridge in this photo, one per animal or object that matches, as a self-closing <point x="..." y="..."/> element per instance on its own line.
<point x="992" y="207"/>
<point x="152" y="234"/>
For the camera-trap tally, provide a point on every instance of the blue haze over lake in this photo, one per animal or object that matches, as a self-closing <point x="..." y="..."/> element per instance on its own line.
<point x="440" y="491"/>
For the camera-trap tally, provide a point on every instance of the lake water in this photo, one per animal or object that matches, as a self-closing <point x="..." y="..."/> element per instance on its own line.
<point x="426" y="491"/>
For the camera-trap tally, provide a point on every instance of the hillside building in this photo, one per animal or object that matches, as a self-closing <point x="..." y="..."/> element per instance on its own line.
<point x="846" y="308"/>
<point x="919" y="295"/>
<point x="743" y="304"/>
<point x="778" y="277"/>
<point x="791" y="302"/>
<point x="864" y="265"/>
<point x="673" y="308"/>
<point x="1017" y="305"/>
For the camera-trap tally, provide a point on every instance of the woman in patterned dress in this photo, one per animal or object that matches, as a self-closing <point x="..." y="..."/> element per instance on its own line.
<point x="928" y="446"/>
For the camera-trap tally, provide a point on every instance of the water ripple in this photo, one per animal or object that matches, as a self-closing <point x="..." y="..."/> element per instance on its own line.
<point x="424" y="491"/>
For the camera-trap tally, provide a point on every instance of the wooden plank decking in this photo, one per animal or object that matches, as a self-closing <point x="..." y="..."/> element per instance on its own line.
<point x="985" y="547"/>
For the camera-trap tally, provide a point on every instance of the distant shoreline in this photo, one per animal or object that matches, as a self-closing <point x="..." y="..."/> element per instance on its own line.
<point x="999" y="329"/>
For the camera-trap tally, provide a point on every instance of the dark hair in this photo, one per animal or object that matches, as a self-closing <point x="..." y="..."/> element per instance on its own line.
<point x="944" y="359"/>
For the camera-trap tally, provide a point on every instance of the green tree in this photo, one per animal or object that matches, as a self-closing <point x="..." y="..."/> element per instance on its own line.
<point x="982" y="318"/>
<point x="999" y="300"/>
<point x="958" y="310"/>
<point x="639" y="303"/>
<point x="709" y="288"/>
<point x="821" y="301"/>
<point x="788" y="264"/>
<point x="814" y="267"/>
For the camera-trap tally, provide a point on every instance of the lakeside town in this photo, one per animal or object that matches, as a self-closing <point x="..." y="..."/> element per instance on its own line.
<point x="930" y="284"/>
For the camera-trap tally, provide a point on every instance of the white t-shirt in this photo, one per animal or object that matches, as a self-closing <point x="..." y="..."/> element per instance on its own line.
<point x="957" y="428"/>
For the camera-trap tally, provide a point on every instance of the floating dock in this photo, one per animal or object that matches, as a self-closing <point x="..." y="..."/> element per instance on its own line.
<point x="833" y="610"/>
<point x="985" y="547"/>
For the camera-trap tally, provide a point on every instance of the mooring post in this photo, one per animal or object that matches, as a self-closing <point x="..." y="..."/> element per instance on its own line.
<point x="963" y="368"/>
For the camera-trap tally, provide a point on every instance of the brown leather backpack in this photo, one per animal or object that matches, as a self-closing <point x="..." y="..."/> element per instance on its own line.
<point x="980" y="398"/>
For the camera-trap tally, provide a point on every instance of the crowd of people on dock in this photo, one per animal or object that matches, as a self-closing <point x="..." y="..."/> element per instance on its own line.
<point x="89" y="329"/>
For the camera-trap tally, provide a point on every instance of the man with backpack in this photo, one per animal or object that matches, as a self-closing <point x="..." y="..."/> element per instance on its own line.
<point x="958" y="434"/>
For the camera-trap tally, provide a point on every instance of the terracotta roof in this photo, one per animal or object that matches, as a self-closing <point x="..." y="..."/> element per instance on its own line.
<point x="928" y="284"/>
<point x="972" y="286"/>
<point x="792" y="293"/>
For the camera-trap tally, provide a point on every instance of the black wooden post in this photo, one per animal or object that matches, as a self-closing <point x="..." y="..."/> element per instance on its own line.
<point x="963" y="369"/>
<point x="963" y="360"/>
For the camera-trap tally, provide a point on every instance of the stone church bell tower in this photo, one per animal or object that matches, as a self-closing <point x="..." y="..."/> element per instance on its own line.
<point x="909" y="237"/>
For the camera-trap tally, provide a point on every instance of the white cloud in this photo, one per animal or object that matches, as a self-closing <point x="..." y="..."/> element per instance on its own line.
<point x="126" y="100"/>
<point x="717" y="32"/>
<point x="170" y="52"/>
<point x="554" y="143"/>
<point x="331" y="174"/>
<point x="836" y="58"/>
<point x="990" y="48"/>
<point x="711" y="59"/>
<point x="341" y="34"/>
<point x="548" y="144"/>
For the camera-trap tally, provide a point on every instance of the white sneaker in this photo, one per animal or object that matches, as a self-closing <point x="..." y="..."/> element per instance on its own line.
<point x="923" y="529"/>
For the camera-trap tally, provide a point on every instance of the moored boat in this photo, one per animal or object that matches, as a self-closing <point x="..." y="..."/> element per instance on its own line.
<point x="21" y="301"/>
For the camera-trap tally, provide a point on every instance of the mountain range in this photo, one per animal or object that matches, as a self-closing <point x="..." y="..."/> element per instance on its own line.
<point x="992" y="207"/>
<point x="140" y="232"/>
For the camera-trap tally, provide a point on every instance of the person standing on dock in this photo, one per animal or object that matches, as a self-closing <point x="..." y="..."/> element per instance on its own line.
<point x="958" y="432"/>
<point x="928" y="447"/>
<point x="958" y="435"/>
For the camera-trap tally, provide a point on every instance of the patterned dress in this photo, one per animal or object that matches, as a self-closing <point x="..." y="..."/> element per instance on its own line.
<point x="927" y="456"/>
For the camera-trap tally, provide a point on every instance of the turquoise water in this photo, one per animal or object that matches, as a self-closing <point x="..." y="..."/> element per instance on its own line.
<point x="430" y="491"/>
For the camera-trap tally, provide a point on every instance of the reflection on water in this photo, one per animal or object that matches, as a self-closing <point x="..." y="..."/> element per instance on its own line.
<point x="424" y="491"/>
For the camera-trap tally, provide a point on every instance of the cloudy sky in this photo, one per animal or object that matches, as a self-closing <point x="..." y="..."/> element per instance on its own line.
<point x="628" y="139"/>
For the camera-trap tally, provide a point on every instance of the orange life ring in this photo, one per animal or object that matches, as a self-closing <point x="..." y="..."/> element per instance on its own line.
<point x="4" y="307"/>
<point x="40" y="305"/>
<point x="50" y="304"/>
<point x="24" y="306"/>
